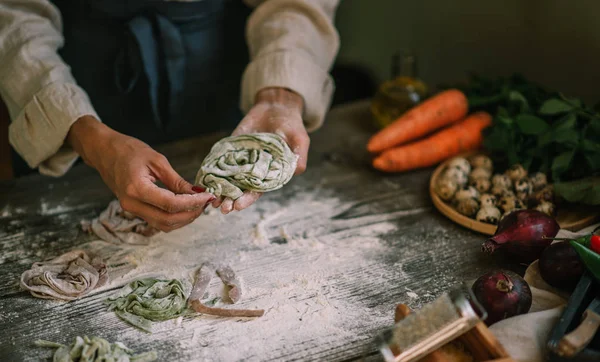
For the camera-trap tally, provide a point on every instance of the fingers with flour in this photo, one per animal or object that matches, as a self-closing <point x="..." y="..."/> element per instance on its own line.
<point x="227" y="206"/>
<point x="247" y="199"/>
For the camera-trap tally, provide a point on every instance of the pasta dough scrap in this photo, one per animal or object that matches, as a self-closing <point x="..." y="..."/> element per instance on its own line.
<point x="258" y="162"/>
<point x="67" y="277"/>
<point x="95" y="349"/>
<point x="228" y="277"/>
<point x="146" y="300"/>
<point x="117" y="226"/>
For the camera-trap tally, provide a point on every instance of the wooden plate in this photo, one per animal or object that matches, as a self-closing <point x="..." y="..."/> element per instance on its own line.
<point x="571" y="217"/>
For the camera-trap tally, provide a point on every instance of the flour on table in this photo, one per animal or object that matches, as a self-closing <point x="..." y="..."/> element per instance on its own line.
<point x="260" y="235"/>
<point x="301" y="293"/>
<point x="48" y="208"/>
<point x="10" y="211"/>
<point x="412" y="295"/>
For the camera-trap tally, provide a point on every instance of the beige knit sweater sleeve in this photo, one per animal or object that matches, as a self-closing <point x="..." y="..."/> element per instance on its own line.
<point x="292" y="44"/>
<point x="42" y="98"/>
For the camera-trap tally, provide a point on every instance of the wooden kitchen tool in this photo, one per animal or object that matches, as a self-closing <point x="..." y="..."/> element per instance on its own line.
<point x="437" y="331"/>
<point x="479" y="342"/>
<point x="573" y="343"/>
<point x="575" y="337"/>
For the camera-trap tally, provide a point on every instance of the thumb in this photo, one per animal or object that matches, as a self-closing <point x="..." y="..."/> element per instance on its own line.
<point x="172" y="180"/>
<point x="299" y="143"/>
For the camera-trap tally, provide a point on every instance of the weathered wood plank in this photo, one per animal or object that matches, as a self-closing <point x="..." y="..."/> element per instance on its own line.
<point x="338" y="248"/>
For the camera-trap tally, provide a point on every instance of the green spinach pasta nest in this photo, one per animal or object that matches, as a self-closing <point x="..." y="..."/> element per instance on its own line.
<point x="258" y="162"/>
<point x="146" y="300"/>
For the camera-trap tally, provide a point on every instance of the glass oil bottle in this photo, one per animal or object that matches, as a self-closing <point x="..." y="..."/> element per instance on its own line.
<point x="399" y="94"/>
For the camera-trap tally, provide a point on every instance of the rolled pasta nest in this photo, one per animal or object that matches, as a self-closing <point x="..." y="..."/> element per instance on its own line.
<point x="258" y="162"/>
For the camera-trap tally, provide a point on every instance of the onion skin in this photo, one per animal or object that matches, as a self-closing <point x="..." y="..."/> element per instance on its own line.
<point x="560" y="266"/>
<point x="524" y="234"/>
<point x="503" y="294"/>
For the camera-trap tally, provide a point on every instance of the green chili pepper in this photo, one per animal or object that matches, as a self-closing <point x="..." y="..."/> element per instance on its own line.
<point x="590" y="258"/>
<point x="586" y="247"/>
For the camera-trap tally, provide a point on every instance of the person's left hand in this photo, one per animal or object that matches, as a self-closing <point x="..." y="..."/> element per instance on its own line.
<point x="279" y="111"/>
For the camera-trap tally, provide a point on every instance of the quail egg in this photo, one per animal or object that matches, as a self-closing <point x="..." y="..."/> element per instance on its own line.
<point x="510" y="202"/>
<point x="516" y="172"/>
<point x="488" y="200"/>
<point x="488" y="214"/>
<point x="523" y="188"/>
<point x="502" y="181"/>
<point x="545" y="194"/>
<point x="547" y="208"/>
<point x="539" y="181"/>
<point x="461" y="163"/>
<point x="457" y="175"/>
<point x="481" y="184"/>
<point x="446" y="188"/>
<point x="481" y="161"/>
<point x="468" y="192"/>
<point x="498" y="191"/>
<point x="467" y="207"/>
<point x="480" y="172"/>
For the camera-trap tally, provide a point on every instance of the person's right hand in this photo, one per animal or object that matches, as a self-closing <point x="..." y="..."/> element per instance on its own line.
<point x="130" y="168"/>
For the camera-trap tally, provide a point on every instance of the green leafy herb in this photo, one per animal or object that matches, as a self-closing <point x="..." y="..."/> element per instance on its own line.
<point x="530" y="124"/>
<point x="543" y="130"/>
<point x="562" y="162"/>
<point x="586" y="189"/>
<point x="555" y="106"/>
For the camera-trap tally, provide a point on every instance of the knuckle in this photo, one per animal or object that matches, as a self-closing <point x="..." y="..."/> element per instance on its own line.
<point x="187" y="222"/>
<point x="156" y="225"/>
<point x="166" y="229"/>
<point x="161" y="159"/>
<point x="131" y="190"/>
<point x="126" y="204"/>
<point x="181" y="183"/>
<point x="170" y="208"/>
<point x="300" y="168"/>
<point x="169" y="223"/>
<point x="300" y="143"/>
<point x="304" y="139"/>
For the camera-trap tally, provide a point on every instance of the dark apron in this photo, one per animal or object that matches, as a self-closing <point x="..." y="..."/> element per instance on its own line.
<point x="158" y="70"/>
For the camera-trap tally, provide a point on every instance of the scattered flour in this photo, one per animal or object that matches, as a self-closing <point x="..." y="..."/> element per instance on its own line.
<point x="292" y="264"/>
<point x="46" y="208"/>
<point x="412" y="295"/>
<point x="10" y="211"/>
<point x="311" y="271"/>
<point x="50" y="208"/>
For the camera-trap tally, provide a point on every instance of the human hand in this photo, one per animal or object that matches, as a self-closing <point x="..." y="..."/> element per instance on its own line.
<point x="279" y="111"/>
<point x="130" y="169"/>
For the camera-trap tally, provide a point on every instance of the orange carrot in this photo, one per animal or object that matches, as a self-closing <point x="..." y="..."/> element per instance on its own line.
<point x="436" y="112"/>
<point x="460" y="137"/>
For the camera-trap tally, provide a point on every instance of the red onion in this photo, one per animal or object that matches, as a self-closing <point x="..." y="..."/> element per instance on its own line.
<point x="503" y="294"/>
<point x="560" y="266"/>
<point x="524" y="234"/>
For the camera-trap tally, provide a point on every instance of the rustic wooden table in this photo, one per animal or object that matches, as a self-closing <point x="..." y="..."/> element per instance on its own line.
<point x="341" y="245"/>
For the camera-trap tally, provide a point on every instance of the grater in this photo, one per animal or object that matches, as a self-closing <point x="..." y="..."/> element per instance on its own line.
<point x="431" y="327"/>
